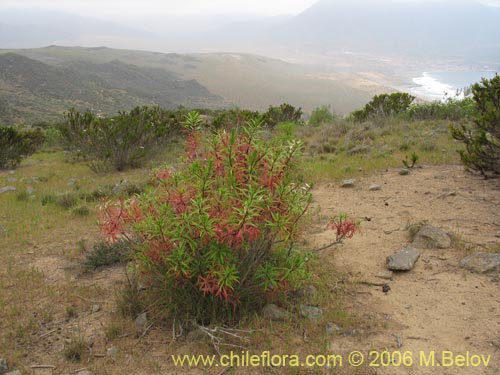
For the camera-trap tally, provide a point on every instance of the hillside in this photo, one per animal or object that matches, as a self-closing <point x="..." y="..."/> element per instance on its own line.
<point x="32" y="91"/>
<point x="244" y="80"/>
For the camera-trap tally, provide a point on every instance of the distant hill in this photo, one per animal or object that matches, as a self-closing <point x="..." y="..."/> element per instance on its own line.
<point x="31" y="90"/>
<point x="124" y="77"/>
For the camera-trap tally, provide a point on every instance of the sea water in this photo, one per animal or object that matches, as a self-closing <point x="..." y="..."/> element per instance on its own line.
<point x="441" y="85"/>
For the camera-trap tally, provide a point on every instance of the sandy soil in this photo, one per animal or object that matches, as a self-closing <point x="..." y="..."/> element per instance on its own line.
<point x="437" y="305"/>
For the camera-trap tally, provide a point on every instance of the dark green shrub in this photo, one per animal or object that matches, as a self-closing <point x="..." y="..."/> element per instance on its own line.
<point x="482" y="141"/>
<point x="321" y="115"/>
<point x="81" y="211"/>
<point x="384" y="105"/>
<point x="451" y="109"/>
<point x="104" y="254"/>
<point x="16" y="145"/>
<point x="119" y="142"/>
<point x="284" y="113"/>
<point x="233" y="118"/>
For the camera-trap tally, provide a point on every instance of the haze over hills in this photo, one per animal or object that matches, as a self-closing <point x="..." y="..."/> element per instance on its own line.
<point x="42" y="83"/>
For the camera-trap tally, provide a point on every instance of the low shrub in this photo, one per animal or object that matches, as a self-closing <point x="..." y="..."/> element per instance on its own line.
<point x="16" y="145"/>
<point x="107" y="254"/>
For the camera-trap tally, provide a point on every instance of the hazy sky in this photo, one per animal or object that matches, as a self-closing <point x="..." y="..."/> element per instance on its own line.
<point x="130" y="8"/>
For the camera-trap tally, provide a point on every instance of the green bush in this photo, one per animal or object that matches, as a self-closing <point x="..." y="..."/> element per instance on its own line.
<point x="384" y="105"/>
<point x="104" y="254"/>
<point x="482" y="141"/>
<point x="451" y="109"/>
<point x="233" y="118"/>
<point x="321" y="115"/>
<point x="284" y="113"/>
<point x="217" y="237"/>
<point x="16" y="145"/>
<point x="119" y="142"/>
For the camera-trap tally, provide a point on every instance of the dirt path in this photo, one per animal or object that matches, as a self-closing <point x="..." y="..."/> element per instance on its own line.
<point x="437" y="305"/>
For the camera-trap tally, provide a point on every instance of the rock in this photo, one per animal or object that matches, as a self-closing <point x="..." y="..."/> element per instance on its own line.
<point x="3" y="366"/>
<point x="33" y="180"/>
<point x="310" y="292"/>
<point x="112" y="352"/>
<point x="95" y="308"/>
<point x="359" y="150"/>
<point x="141" y="321"/>
<point x="403" y="260"/>
<point x="481" y="262"/>
<point x="310" y="312"/>
<point x="404" y="172"/>
<point x="17" y="372"/>
<point x="386" y="275"/>
<point x="497" y="234"/>
<point x="348" y="183"/>
<point x="7" y="188"/>
<point x="84" y="372"/>
<point x="374" y="187"/>
<point x="332" y="328"/>
<point x="273" y="312"/>
<point x="429" y="237"/>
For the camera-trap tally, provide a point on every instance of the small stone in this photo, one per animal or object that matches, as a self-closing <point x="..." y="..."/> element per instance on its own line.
<point x="141" y="321"/>
<point x="95" y="308"/>
<point x="497" y="234"/>
<point x="310" y="293"/>
<point x="348" y="183"/>
<point x="332" y="328"/>
<point x="17" y="372"/>
<point x="310" y="312"/>
<point x="404" y="260"/>
<point x="385" y="275"/>
<point x="84" y="372"/>
<point x="482" y="262"/>
<point x="7" y="188"/>
<point x="404" y="172"/>
<point x="112" y="352"/>
<point x="273" y="312"/>
<point x="429" y="237"/>
<point x="374" y="187"/>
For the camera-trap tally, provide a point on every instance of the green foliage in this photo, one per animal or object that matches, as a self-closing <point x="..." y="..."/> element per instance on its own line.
<point x="16" y="145"/>
<point x="482" y="141"/>
<point x="284" y="113"/>
<point x="321" y="115"/>
<point x="451" y="109"/>
<point x="383" y="105"/>
<point x="118" y="142"/>
<point x="413" y="160"/>
<point x="105" y="254"/>
<point x="233" y="118"/>
<point x="217" y="237"/>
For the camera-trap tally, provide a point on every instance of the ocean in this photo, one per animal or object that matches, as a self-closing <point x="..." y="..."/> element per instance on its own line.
<point x="440" y="85"/>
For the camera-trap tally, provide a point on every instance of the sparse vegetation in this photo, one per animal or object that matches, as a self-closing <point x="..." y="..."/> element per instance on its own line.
<point x="105" y="254"/>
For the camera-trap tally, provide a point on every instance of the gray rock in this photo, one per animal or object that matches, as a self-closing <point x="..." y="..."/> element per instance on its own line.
<point x="273" y="312"/>
<point x="374" y="187"/>
<point x="3" y="366"/>
<point x="141" y="321"/>
<point x="359" y="150"/>
<point x="332" y="328"/>
<point x="17" y="372"/>
<point x="84" y="372"/>
<point x="497" y="234"/>
<point x="429" y="237"/>
<point x="112" y="352"/>
<point x="7" y="188"/>
<point x="95" y="308"/>
<point x="33" y="180"/>
<point x="482" y="262"/>
<point x="348" y="183"/>
<point x="403" y="260"/>
<point x="310" y="292"/>
<point x="404" y="172"/>
<point x="310" y="312"/>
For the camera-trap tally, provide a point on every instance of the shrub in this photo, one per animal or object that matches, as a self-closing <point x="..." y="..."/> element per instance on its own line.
<point x="482" y="141"/>
<point x="384" y="105"/>
<point x="233" y="118"/>
<point x="118" y="142"/>
<point x="107" y="254"/>
<point x="16" y="145"/>
<point x="284" y="113"/>
<point x="321" y="115"/>
<point x="451" y="109"/>
<point x="217" y="237"/>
